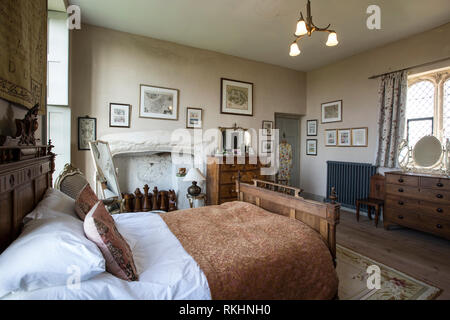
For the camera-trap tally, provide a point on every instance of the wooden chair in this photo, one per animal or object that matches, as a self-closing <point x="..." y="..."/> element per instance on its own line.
<point x="375" y="200"/>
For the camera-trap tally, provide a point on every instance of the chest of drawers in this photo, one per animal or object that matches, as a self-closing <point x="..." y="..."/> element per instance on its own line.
<point x="222" y="173"/>
<point x="419" y="202"/>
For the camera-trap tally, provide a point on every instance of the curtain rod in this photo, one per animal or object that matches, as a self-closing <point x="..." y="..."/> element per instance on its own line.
<point x="409" y="68"/>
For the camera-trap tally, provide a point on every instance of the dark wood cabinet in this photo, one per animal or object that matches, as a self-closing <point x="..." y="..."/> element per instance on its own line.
<point x="222" y="173"/>
<point x="418" y="201"/>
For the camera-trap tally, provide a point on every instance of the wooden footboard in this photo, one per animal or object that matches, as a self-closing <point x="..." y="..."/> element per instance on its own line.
<point x="322" y="217"/>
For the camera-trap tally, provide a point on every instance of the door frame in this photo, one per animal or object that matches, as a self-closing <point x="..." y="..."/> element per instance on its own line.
<point x="297" y="117"/>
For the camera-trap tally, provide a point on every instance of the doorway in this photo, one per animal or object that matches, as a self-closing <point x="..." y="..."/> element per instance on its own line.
<point x="289" y="126"/>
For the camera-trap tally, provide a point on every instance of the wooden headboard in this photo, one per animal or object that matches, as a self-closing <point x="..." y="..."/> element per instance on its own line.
<point x="25" y="175"/>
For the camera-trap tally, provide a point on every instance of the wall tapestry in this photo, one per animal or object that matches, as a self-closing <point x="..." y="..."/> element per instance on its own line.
<point x="23" y="54"/>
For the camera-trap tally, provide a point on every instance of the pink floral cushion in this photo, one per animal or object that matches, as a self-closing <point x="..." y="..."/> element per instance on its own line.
<point x="86" y="199"/>
<point x="100" y="228"/>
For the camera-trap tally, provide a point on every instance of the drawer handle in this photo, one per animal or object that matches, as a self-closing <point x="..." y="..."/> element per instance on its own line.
<point x="439" y="226"/>
<point x="400" y="217"/>
<point x="401" y="203"/>
<point x="439" y="210"/>
<point x="440" y="185"/>
<point x="439" y="196"/>
<point x="401" y="180"/>
<point x="401" y="190"/>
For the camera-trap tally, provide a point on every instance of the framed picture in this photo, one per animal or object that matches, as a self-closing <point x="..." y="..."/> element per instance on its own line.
<point x="266" y="146"/>
<point x="359" y="137"/>
<point x="194" y="118"/>
<point x="159" y="103"/>
<point x="119" y="115"/>
<point x="311" y="147"/>
<point x="237" y="97"/>
<point x="332" y="111"/>
<point x="311" y="127"/>
<point x="87" y="132"/>
<point x="267" y="127"/>
<point x="344" y="138"/>
<point x="331" y="138"/>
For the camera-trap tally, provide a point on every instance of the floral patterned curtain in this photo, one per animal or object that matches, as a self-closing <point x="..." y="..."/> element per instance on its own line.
<point x="392" y="117"/>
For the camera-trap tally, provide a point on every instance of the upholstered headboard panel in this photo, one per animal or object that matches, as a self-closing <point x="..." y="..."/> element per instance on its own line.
<point x="22" y="185"/>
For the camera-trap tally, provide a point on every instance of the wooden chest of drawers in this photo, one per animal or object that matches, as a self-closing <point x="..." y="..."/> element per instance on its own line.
<point x="222" y="173"/>
<point x="419" y="202"/>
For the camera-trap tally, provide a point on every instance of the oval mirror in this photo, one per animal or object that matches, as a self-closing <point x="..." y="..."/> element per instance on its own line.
<point x="427" y="152"/>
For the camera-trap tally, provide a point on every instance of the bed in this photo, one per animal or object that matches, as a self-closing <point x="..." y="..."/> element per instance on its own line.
<point x="267" y="245"/>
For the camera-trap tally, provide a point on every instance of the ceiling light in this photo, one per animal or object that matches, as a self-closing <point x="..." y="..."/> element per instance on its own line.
<point x="307" y="27"/>
<point x="295" y="50"/>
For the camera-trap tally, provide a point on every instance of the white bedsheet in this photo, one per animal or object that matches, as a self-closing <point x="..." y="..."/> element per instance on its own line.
<point x="166" y="270"/>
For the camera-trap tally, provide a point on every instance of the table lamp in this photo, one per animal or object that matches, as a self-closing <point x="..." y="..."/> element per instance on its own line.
<point x="195" y="176"/>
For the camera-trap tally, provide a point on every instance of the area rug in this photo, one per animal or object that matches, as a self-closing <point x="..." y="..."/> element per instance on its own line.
<point x="395" y="285"/>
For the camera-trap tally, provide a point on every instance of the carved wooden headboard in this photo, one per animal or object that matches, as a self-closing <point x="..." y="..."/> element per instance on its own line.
<point x="25" y="175"/>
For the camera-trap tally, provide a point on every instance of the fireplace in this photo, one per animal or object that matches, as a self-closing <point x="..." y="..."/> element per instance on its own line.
<point x="142" y="158"/>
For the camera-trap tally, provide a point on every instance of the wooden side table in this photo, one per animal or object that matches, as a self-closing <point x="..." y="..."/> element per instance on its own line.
<point x="191" y="199"/>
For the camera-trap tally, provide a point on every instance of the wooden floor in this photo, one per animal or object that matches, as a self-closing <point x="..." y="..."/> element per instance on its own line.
<point x="420" y="255"/>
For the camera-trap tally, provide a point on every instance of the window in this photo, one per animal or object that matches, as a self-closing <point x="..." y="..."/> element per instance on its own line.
<point x="428" y="106"/>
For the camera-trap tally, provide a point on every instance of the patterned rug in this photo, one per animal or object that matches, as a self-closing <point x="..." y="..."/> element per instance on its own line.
<point x="395" y="285"/>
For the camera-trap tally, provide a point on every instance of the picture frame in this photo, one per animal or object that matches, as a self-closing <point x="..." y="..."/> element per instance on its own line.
<point x="267" y="127"/>
<point x="236" y="97"/>
<point x="311" y="147"/>
<point x="119" y="115"/>
<point x="360" y="137"/>
<point x="194" y="118"/>
<point x="344" y="137"/>
<point x="331" y="138"/>
<point x="311" y="128"/>
<point x="158" y="102"/>
<point x="87" y="132"/>
<point x="266" y="146"/>
<point x="332" y="111"/>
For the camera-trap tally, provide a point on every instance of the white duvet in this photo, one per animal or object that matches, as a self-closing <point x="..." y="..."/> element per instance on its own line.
<point x="166" y="270"/>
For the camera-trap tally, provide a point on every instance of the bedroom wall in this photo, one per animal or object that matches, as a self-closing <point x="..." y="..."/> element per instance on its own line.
<point x="347" y="80"/>
<point x="108" y="66"/>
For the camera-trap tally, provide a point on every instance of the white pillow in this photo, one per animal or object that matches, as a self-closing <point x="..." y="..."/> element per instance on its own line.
<point x="54" y="204"/>
<point x="49" y="252"/>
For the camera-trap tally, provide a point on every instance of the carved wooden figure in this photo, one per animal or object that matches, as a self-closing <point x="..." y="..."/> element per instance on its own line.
<point x="138" y="202"/>
<point x="172" y="201"/>
<point x="128" y="203"/>
<point x="147" y="206"/>
<point x="155" y="199"/>
<point x="164" y="203"/>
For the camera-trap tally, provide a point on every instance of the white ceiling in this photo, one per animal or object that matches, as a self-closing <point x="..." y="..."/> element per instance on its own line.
<point x="262" y="30"/>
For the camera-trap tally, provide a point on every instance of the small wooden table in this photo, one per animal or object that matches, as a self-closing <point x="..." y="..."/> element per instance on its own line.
<point x="191" y="199"/>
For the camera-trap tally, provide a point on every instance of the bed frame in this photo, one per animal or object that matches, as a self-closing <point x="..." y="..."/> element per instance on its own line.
<point x="25" y="175"/>
<point x="322" y="217"/>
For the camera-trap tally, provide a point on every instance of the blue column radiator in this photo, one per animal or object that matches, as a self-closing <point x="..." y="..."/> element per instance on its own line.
<point x="351" y="180"/>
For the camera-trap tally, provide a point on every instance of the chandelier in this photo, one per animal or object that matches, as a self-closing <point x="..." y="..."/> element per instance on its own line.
<point x="307" y="27"/>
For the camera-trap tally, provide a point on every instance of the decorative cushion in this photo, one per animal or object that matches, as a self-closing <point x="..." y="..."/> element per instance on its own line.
<point x="86" y="199"/>
<point x="100" y="228"/>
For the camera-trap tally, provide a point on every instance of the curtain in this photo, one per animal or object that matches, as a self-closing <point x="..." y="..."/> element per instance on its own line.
<point x="392" y="104"/>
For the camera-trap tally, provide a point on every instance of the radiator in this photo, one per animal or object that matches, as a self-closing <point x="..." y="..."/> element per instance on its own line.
<point x="351" y="180"/>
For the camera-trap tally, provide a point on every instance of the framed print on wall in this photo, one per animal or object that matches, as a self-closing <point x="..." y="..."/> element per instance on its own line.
<point x="267" y="127"/>
<point x="266" y="146"/>
<point x="119" y="115"/>
<point x="344" y="138"/>
<point x="311" y="147"/>
<point x="87" y="132"/>
<point x="158" y="103"/>
<point x="311" y="128"/>
<point x="359" y="137"/>
<point x="194" y="118"/>
<point x="236" y="97"/>
<point x="331" y="138"/>
<point x="332" y="111"/>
